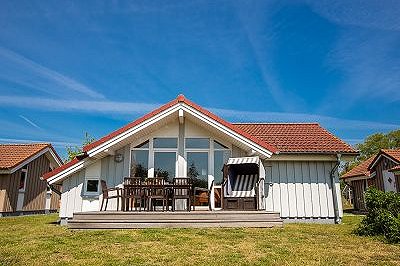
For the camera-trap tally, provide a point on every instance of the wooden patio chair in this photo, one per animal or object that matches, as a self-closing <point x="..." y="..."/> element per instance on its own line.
<point x="202" y="196"/>
<point x="156" y="193"/>
<point x="134" y="193"/>
<point x="182" y="189"/>
<point x="106" y="194"/>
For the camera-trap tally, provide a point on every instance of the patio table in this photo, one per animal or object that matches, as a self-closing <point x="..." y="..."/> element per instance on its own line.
<point x="145" y="188"/>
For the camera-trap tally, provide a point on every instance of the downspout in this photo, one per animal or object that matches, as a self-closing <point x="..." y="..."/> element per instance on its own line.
<point x="334" y="193"/>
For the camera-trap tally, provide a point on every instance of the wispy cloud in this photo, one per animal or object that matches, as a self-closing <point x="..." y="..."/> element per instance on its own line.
<point x="253" y="21"/>
<point x="328" y="121"/>
<point x="370" y="62"/>
<point x="30" y="122"/>
<point x="366" y="51"/>
<point x="232" y="115"/>
<point x="77" y="105"/>
<point x="373" y="14"/>
<point x="43" y="72"/>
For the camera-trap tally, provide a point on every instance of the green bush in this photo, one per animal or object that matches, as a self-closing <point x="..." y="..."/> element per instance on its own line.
<point x="383" y="216"/>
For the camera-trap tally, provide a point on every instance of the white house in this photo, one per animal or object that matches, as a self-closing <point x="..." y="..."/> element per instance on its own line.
<point x="299" y="160"/>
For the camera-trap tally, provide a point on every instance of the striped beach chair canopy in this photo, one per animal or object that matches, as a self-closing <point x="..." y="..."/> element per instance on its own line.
<point x="242" y="184"/>
<point x="244" y="160"/>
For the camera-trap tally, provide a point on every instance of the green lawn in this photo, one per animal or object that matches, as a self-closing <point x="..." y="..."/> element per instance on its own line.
<point x="36" y="240"/>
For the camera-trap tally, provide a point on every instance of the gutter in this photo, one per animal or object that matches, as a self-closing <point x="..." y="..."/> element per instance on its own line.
<point x="334" y="193"/>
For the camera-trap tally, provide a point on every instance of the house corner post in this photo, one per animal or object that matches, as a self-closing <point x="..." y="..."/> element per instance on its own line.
<point x="48" y="201"/>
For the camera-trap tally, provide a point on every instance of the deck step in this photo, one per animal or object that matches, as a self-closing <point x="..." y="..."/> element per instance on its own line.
<point x="194" y="219"/>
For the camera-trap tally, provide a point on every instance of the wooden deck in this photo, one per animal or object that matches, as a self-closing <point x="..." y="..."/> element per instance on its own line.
<point x="193" y="219"/>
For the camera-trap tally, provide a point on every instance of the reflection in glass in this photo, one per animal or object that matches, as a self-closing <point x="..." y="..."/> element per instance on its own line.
<point x="197" y="143"/>
<point x="165" y="143"/>
<point x="164" y="165"/>
<point x="139" y="163"/>
<point x="144" y="145"/>
<point x="218" y="145"/>
<point x="197" y="168"/>
<point x="220" y="158"/>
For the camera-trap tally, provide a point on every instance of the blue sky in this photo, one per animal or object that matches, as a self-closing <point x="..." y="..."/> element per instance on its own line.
<point x="70" y="68"/>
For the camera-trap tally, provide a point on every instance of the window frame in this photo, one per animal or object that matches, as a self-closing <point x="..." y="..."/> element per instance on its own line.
<point x="25" y="172"/>
<point x="91" y="193"/>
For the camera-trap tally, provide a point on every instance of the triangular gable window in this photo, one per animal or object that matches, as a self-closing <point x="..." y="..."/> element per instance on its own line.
<point x="144" y="145"/>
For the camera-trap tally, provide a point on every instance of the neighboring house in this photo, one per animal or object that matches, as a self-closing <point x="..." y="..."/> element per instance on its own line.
<point x="396" y="171"/>
<point x="380" y="168"/>
<point x="380" y="171"/>
<point x="357" y="179"/>
<point x="21" y="188"/>
<point x="181" y="139"/>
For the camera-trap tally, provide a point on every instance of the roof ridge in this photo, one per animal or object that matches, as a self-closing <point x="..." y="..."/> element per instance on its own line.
<point x="26" y="144"/>
<point x="180" y="99"/>
<point x="385" y="150"/>
<point x="337" y="138"/>
<point x="275" y="123"/>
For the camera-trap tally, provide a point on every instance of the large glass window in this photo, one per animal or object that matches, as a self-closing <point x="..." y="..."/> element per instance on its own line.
<point x="169" y="143"/>
<point x="197" y="168"/>
<point x="164" y="165"/>
<point x="197" y="143"/>
<point x="221" y="156"/>
<point x="139" y="163"/>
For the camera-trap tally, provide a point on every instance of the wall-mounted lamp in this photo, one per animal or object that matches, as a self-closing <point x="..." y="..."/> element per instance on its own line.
<point x="118" y="158"/>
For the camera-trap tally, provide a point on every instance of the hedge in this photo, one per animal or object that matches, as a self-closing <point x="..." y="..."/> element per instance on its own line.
<point x="383" y="218"/>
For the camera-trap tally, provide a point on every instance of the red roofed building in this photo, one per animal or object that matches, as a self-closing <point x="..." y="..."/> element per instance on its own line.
<point x="381" y="171"/>
<point x="21" y="188"/>
<point x="297" y="163"/>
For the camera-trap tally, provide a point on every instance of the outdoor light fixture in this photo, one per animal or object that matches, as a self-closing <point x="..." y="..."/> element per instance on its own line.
<point x="118" y="158"/>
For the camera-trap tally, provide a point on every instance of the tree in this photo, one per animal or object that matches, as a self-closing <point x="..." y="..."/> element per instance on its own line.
<point x="73" y="151"/>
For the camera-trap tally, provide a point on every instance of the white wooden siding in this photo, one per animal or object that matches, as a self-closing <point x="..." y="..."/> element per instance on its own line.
<point x="301" y="189"/>
<point x="306" y="187"/>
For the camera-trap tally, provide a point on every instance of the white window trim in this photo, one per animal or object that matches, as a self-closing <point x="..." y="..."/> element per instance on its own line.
<point x="90" y="193"/>
<point x="132" y="148"/>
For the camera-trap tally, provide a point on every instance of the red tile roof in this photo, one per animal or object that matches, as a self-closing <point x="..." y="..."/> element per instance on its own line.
<point x="360" y="170"/>
<point x="180" y="99"/>
<point x="297" y="137"/>
<point x="12" y="155"/>
<point x="395" y="169"/>
<point x="394" y="154"/>
<point x="273" y="137"/>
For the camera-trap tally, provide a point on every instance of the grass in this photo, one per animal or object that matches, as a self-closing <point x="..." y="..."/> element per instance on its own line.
<point x="36" y="240"/>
